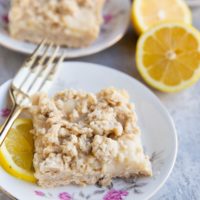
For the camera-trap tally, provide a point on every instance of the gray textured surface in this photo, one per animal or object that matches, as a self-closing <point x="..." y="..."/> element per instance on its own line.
<point x="184" y="182"/>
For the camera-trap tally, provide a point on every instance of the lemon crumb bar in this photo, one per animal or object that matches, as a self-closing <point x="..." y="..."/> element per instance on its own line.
<point x="84" y="138"/>
<point x="72" y="23"/>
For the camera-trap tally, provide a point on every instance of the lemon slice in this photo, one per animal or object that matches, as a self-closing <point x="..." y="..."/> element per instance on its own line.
<point x="16" y="153"/>
<point x="168" y="56"/>
<point x="147" y="13"/>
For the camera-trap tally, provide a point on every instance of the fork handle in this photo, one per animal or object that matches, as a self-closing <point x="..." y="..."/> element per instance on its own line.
<point x="16" y="110"/>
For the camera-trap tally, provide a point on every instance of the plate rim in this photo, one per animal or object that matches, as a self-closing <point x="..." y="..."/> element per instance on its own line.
<point x="162" y="106"/>
<point x="91" y="51"/>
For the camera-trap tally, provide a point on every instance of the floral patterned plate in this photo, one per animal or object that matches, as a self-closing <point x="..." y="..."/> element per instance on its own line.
<point x="116" y="16"/>
<point x="158" y="135"/>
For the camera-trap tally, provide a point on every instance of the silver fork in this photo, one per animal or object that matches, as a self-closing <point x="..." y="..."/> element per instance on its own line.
<point x="35" y="75"/>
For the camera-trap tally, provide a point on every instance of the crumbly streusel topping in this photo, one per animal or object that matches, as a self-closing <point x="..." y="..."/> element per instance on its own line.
<point x="57" y="9"/>
<point x="82" y="132"/>
<point x="72" y="23"/>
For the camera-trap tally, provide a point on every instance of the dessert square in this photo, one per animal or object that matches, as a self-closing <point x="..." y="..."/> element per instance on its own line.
<point x="72" y="23"/>
<point x="84" y="138"/>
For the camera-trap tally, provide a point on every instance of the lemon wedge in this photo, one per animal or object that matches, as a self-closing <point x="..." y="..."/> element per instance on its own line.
<point x="16" y="153"/>
<point x="147" y="13"/>
<point x="168" y="56"/>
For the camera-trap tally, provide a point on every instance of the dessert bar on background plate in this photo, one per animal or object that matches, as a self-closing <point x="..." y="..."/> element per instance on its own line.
<point x="116" y="18"/>
<point x="72" y="23"/>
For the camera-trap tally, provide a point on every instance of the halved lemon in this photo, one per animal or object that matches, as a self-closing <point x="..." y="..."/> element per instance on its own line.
<point x="168" y="56"/>
<point x="147" y="13"/>
<point x="16" y="153"/>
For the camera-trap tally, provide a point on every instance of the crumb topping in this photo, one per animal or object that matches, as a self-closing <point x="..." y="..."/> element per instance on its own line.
<point x="83" y="133"/>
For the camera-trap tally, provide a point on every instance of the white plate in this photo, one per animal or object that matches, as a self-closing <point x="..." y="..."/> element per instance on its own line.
<point x="158" y="134"/>
<point x="116" y="16"/>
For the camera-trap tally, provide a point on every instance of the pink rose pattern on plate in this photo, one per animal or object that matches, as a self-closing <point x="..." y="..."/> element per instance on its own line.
<point x="40" y="193"/>
<point x="65" y="196"/>
<point x="115" y="195"/>
<point x="107" y="18"/>
<point x="110" y="195"/>
<point x="5" y="19"/>
<point x="5" y="112"/>
<point x="4" y="7"/>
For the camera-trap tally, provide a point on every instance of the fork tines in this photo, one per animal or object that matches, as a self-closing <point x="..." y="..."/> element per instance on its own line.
<point x="37" y="72"/>
<point x="35" y="75"/>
